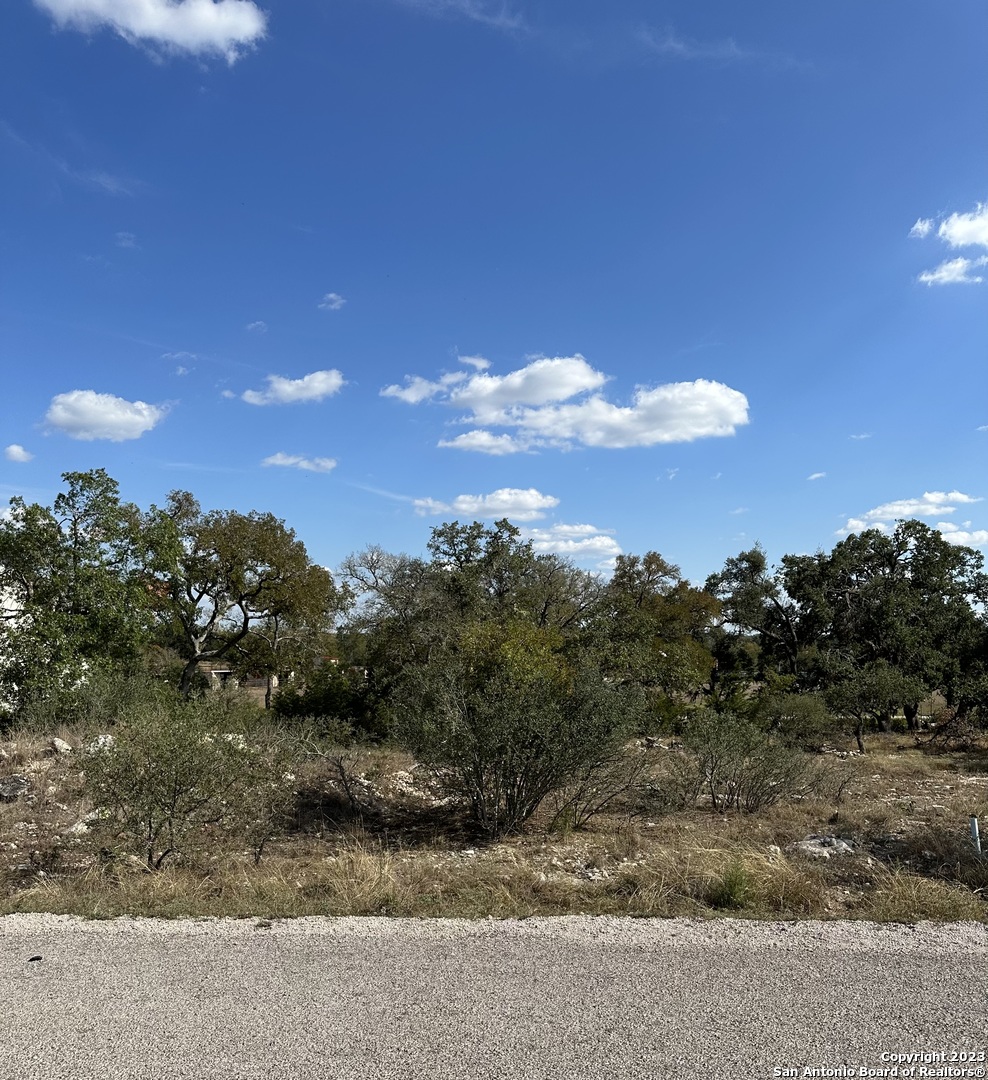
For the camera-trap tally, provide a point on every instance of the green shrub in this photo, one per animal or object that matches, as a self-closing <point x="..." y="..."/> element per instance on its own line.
<point x="799" y="719"/>
<point x="507" y="721"/>
<point x="739" y="766"/>
<point x="175" y="775"/>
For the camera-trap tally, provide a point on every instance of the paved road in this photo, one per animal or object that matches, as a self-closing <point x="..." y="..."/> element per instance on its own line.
<point x="542" y="998"/>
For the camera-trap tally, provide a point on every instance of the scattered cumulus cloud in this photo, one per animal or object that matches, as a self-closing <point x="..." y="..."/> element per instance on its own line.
<point x="954" y="272"/>
<point x="332" y="301"/>
<point x="536" y="403"/>
<point x="296" y="461"/>
<point x="963" y="534"/>
<point x="87" y="415"/>
<point x="966" y="230"/>
<point x="280" y="391"/>
<point x="518" y="504"/>
<point x="863" y="435"/>
<point x="575" y="541"/>
<point x="258" y="327"/>
<point x="198" y="27"/>
<point x="417" y="389"/>
<point x="956" y="231"/>
<point x="816" y="476"/>
<point x="126" y="240"/>
<point x="929" y="504"/>
<point x="478" y="363"/>
<point x="17" y="453"/>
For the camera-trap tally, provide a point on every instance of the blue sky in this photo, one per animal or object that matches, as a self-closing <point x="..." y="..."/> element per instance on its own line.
<point x="639" y="276"/>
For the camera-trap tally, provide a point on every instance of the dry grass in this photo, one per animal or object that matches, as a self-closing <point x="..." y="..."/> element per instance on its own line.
<point x="402" y="855"/>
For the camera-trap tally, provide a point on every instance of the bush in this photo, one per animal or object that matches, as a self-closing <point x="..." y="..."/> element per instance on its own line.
<point x="507" y="721"/>
<point x="335" y="695"/>
<point x="798" y="719"/>
<point x="175" y="773"/>
<point x="739" y="766"/>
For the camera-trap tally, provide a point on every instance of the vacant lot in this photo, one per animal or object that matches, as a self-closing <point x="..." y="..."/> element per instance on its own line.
<point x="365" y="831"/>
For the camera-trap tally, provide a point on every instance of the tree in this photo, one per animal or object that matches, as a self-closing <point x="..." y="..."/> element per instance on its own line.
<point x="754" y="601"/>
<point x="655" y="627"/>
<point x="222" y="576"/>
<point x="871" y="692"/>
<point x="904" y="600"/>
<point x="74" y="597"/>
<point x="412" y="609"/>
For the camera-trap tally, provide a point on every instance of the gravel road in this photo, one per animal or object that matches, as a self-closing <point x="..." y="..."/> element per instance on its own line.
<point x="565" y="998"/>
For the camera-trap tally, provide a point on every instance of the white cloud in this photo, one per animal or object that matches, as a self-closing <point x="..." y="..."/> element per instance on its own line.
<point x="921" y="229"/>
<point x="86" y="415"/>
<point x="217" y="27"/>
<point x="126" y="240"/>
<point x="258" y="327"/>
<point x="929" y="504"/>
<point x="954" y="272"/>
<point x="966" y="230"/>
<point x="816" y="476"/>
<point x="485" y="443"/>
<point x="17" y="453"/>
<point x="739" y="510"/>
<point x="858" y="438"/>
<point x="965" y="536"/>
<point x="540" y="382"/>
<point x="535" y="400"/>
<point x="478" y="363"/>
<point x="518" y="504"/>
<point x="179" y="356"/>
<point x="983" y="427"/>
<point x="957" y="231"/>
<point x="575" y="541"/>
<point x="296" y="461"/>
<point x="417" y="389"/>
<point x="332" y="301"/>
<point x="312" y="387"/>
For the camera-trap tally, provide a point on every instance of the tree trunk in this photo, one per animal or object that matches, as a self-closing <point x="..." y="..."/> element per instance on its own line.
<point x="269" y="690"/>
<point x="188" y="678"/>
<point x="859" y="735"/>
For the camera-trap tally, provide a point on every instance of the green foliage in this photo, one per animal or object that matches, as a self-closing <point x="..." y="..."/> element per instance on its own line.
<point x="177" y="774"/>
<point x="653" y="630"/>
<point x="802" y="720"/>
<point x="74" y="600"/>
<point x="509" y="721"/>
<point x="737" y="765"/>
<point x="733" y="889"/>
<point x="333" y="695"/>
<point x="237" y="585"/>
